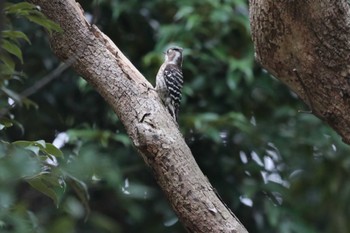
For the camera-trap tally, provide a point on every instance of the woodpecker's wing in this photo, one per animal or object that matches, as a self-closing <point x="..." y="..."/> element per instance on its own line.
<point x="174" y="82"/>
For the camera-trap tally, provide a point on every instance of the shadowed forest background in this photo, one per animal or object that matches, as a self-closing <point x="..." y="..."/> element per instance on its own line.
<point x="279" y="168"/>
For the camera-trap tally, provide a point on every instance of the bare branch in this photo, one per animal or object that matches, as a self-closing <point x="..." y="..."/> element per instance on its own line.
<point x="40" y="84"/>
<point x="48" y="78"/>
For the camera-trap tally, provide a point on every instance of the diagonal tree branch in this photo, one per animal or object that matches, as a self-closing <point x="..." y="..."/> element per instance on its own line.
<point x="148" y="124"/>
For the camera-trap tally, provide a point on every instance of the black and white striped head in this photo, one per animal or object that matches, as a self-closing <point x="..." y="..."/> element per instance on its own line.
<point x="174" y="56"/>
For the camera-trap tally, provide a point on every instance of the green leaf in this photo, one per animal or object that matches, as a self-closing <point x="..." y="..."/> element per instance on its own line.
<point x="6" y="72"/>
<point x="75" y="134"/>
<point x="29" y="145"/>
<point x="47" y="184"/>
<point x="184" y="12"/>
<point x="12" y="48"/>
<point x="32" y="13"/>
<point x="40" y="143"/>
<point x="193" y="21"/>
<point x="81" y="190"/>
<point x="15" y="35"/>
<point x="8" y="66"/>
<point x="5" y="123"/>
<point x="232" y="80"/>
<point x="242" y="65"/>
<point x="22" y="143"/>
<point x="52" y="150"/>
<point x="34" y="149"/>
<point x="41" y="20"/>
<point x="22" y="8"/>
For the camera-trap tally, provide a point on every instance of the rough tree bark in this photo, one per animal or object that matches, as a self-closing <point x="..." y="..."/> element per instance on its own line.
<point x="150" y="127"/>
<point x="306" y="44"/>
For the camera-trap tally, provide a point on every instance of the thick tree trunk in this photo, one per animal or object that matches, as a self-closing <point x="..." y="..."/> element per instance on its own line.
<point x="150" y="127"/>
<point x="306" y="44"/>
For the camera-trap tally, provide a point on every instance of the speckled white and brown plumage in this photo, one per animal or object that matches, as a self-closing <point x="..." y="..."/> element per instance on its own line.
<point x="169" y="81"/>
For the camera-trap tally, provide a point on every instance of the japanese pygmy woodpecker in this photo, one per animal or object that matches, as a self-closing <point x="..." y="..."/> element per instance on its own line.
<point x="169" y="81"/>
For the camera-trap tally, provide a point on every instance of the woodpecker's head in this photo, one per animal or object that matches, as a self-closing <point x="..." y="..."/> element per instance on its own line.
<point x="174" y="55"/>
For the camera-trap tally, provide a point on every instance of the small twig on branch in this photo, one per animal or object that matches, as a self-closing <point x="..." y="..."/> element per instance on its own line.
<point x="41" y="83"/>
<point x="48" y="78"/>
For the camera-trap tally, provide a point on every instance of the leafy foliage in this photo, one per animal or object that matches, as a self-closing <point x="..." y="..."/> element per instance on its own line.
<point x="273" y="165"/>
<point x="35" y="162"/>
